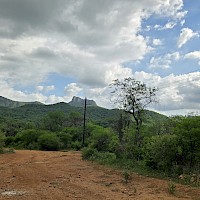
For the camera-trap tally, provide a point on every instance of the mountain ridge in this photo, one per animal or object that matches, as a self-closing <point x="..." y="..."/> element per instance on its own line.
<point x="76" y="101"/>
<point x="8" y="103"/>
<point x="34" y="111"/>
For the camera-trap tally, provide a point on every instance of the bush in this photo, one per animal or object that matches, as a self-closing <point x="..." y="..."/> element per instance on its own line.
<point x="49" y="142"/>
<point x="28" y="138"/>
<point x="76" y="145"/>
<point x="74" y="132"/>
<point x="104" y="140"/>
<point x="101" y="157"/>
<point x="104" y="157"/>
<point x="161" y="151"/>
<point x="65" y="139"/>
<point x="88" y="153"/>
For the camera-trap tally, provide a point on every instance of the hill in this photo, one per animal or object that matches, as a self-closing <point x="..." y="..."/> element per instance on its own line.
<point x="4" y="102"/>
<point x="35" y="111"/>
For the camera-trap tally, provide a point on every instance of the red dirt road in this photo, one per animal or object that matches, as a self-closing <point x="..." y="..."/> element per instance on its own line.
<point x="35" y="175"/>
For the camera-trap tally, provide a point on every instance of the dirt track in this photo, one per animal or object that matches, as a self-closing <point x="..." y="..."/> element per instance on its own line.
<point x="32" y="175"/>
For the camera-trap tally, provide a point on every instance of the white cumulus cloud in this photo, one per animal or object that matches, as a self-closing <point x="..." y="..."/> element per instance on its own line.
<point x="185" y="35"/>
<point x="164" y="62"/>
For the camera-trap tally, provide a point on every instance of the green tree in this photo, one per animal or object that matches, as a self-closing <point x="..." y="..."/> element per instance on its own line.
<point x="75" y="119"/>
<point x="134" y="96"/>
<point x="188" y="131"/>
<point x="54" y="121"/>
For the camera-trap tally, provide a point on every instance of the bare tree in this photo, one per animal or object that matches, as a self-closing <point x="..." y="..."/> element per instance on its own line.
<point x="134" y="96"/>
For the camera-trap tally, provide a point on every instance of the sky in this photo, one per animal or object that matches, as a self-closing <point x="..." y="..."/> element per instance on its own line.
<point x="53" y="50"/>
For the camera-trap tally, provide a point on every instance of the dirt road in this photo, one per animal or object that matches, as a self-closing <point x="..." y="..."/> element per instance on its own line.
<point x="35" y="175"/>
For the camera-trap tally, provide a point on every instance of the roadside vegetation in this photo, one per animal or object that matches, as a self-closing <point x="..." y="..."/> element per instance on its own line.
<point x="148" y="143"/>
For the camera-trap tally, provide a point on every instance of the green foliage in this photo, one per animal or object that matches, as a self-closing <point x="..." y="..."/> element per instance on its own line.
<point x="76" y="145"/>
<point x="104" y="157"/>
<point x="54" y="121"/>
<point x="2" y="138"/>
<point x="88" y="153"/>
<point x="65" y="140"/>
<point x="28" y="138"/>
<point x="161" y="151"/>
<point x="104" y="139"/>
<point x="188" y="130"/>
<point x="131" y="150"/>
<point x="101" y="157"/>
<point x="74" y="132"/>
<point x="126" y="175"/>
<point x="49" y="142"/>
<point x="171" y="187"/>
<point x="75" y="119"/>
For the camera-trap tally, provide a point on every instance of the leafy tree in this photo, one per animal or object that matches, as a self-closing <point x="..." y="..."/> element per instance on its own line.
<point x="75" y="119"/>
<point x="54" y="121"/>
<point x="188" y="130"/>
<point x="12" y="126"/>
<point x="134" y="96"/>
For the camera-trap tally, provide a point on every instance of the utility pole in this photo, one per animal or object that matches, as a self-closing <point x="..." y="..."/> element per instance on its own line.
<point x="84" y="122"/>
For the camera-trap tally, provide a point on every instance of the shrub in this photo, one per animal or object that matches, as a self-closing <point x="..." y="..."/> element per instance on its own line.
<point x="161" y="151"/>
<point x="171" y="187"/>
<point x="104" y="140"/>
<point x="126" y="175"/>
<point x="76" y="145"/>
<point x="101" y="157"/>
<point x="88" y="153"/>
<point x="28" y="138"/>
<point x="104" y="157"/>
<point x="65" y="139"/>
<point x="49" y="142"/>
<point x="74" y="132"/>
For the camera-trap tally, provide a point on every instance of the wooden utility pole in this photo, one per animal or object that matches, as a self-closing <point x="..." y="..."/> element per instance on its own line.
<point x="84" y="122"/>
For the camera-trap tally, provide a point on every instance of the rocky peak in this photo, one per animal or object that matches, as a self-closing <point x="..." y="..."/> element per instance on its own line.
<point x="79" y="102"/>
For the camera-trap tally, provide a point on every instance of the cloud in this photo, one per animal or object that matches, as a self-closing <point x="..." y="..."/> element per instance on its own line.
<point x="164" y="62"/>
<point x="157" y="42"/>
<point x="171" y="8"/>
<point x="193" y="55"/>
<point x="74" y="38"/>
<point x="72" y="89"/>
<point x="45" y="89"/>
<point x="175" y="91"/>
<point x="185" y="35"/>
<point x="169" y="25"/>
